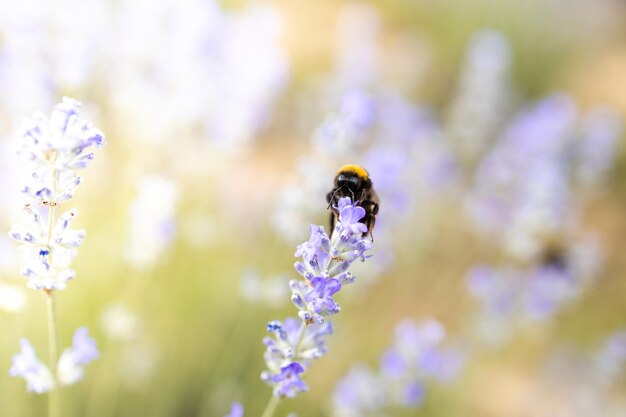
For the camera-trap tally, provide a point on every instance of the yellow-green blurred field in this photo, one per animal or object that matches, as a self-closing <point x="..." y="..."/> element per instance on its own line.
<point x="196" y="342"/>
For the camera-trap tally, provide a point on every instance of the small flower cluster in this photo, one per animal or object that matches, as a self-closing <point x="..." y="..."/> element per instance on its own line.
<point x="324" y="266"/>
<point x="524" y="187"/>
<point x="513" y="297"/>
<point x="416" y="357"/>
<point x="40" y="379"/>
<point x="54" y="149"/>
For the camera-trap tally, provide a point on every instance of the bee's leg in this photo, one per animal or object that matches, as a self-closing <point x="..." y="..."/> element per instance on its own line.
<point x="370" y="226"/>
<point x="332" y="224"/>
<point x="329" y="198"/>
<point x="370" y="218"/>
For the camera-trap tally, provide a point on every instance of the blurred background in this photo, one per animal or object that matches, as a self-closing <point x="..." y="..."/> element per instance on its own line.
<point x="493" y="133"/>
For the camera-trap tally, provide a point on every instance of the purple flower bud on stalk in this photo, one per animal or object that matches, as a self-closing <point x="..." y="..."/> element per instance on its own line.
<point x="324" y="267"/>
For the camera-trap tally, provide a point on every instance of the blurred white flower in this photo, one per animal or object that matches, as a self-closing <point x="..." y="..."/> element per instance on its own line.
<point x="193" y="77"/>
<point x="357" y="56"/>
<point x="270" y="292"/>
<point x="120" y="323"/>
<point x="152" y="222"/>
<point x="481" y="101"/>
<point x="47" y="48"/>
<point x="138" y="363"/>
<point x="12" y="298"/>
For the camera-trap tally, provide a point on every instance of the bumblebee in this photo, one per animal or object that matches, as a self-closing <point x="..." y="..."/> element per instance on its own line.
<point x="555" y="256"/>
<point x="353" y="181"/>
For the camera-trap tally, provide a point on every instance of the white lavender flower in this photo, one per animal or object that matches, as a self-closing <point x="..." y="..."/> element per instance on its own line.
<point x="38" y="377"/>
<point x="324" y="266"/>
<point x="54" y="149"/>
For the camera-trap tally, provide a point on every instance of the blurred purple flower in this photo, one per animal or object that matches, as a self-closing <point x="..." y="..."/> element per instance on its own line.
<point x="38" y="377"/>
<point x="513" y="297"/>
<point x="597" y="148"/>
<point x="414" y="394"/>
<point x="72" y="360"/>
<point x="358" y="393"/>
<point x="347" y="129"/>
<point x="416" y="358"/>
<point x="236" y="410"/>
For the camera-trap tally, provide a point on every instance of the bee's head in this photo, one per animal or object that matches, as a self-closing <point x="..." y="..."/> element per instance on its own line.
<point x="351" y="180"/>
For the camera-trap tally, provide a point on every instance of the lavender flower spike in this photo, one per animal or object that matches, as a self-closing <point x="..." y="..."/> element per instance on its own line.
<point x="324" y="266"/>
<point x="53" y="149"/>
